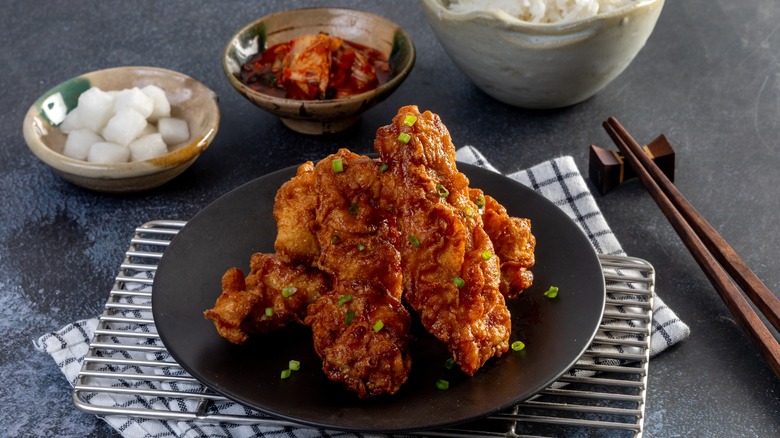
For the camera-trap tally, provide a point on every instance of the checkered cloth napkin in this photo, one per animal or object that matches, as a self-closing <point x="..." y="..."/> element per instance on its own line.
<point x="557" y="179"/>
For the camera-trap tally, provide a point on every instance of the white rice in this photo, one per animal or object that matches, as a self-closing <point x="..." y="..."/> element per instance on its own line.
<point x="541" y="11"/>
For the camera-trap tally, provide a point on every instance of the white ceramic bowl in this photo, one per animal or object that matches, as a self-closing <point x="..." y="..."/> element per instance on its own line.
<point x="330" y="115"/>
<point x="190" y="100"/>
<point x="542" y="65"/>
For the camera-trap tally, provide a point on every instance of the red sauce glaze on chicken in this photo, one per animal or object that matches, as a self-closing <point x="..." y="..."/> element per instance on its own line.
<point x="316" y="67"/>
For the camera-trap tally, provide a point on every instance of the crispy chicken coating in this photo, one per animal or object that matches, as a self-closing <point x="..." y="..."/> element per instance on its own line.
<point x="513" y="242"/>
<point x="273" y="295"/>
<point x="447" y="279"/>
<point x="294" y="213"/>
<point x="360" y="328"/>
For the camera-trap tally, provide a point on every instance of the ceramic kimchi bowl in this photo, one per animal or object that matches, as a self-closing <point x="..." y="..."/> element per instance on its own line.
<point x="327" y="115"/>
<point x="542" y="65"/>
<point x="189" y="100"/>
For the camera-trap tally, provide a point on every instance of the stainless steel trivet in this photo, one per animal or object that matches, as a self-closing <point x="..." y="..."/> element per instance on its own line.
<point x="128" y="372"/>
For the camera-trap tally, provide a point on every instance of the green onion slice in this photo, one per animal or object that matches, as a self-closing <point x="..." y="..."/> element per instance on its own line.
<point x="458" y="281"/>
<point x="286" y="374"/>
<point x="409" y="120"/>
<point x="361" y="247"/>
<point x="378" y="325"/>
<point x="468" y="211"/>
<point x="334" y="239"/>
<point x="517" y="345"/>
<point x="487" y="255"/>
<point x="344" y="300"/>
<point x="295" y="365"/>
<point x="449" y="363"/>
<point x="404" y="137"/>
<point x="353" y="209"/>
<point x="442" y="191"/>
<point x="480" y="201"/>
<point x="383" y="167"/>
<point x="269" y="311"/>
<point x="442" y="384"/>
<point x="414" y="241"/>
<point x="350" y="316"/>
<point x="337" y="165"/>
<point x="288" y="291"/>
<point x="552" y="292"/>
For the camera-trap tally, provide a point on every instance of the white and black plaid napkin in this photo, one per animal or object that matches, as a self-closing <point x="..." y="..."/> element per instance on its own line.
<point x="557" y="179"/>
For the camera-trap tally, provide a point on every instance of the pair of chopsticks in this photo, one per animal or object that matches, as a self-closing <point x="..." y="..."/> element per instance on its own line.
<point x="714" y="255"/>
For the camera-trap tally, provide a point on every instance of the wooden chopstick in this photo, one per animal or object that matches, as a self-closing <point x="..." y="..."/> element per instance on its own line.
<point x="714" y="255"/>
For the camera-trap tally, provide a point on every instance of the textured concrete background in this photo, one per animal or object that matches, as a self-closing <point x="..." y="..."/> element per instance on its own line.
<point x="709" y="78"/>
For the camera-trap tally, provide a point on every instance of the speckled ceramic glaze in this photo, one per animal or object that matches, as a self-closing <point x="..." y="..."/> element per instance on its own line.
<point x="542" y="65"/>
<point x="320" y="116"/>
<point x="190" y="100"/>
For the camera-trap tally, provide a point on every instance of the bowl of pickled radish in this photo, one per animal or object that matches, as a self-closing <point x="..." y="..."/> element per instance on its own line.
<point x="318" y="69"/>
<point x="123" y="129"/>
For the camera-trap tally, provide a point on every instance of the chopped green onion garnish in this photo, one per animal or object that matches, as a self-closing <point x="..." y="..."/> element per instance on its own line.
<point x="350" y="316"/>
<point x="383" y="167"/>
<point x="480" y="201"/>
<point x="458" y="281"/>
<point x="442" y="191"/>
<point x="269" y="311"/>
<point x="288" y="291"/>
<point x="409" y="120"/>
<point x="361" y="247"/>
<point x="487" y="255"/>
<point x="449" y="363"/>
<point x="442" y="384"/>
<point x="334" y="239"/>
<point x="286" y="374"/>
<point x="345" y="299"/>
<point x="468" y="210"/>
<point x="295" y="365"/>
<point x="517" y="346"/>
<point x="404" y="137"/>
<point x="378" y="325"/>
<point x="552" y="292"/>
<point x="338" y="165"/>
<point x="414" y="241"/>
<point x="353" y="209"/>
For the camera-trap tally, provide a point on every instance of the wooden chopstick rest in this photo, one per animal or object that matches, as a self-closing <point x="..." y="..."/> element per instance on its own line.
<point x="608" y="169"/>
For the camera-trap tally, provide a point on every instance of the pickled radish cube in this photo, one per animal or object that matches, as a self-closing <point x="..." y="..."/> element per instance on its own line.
<point x="124" y="127"/>
<point x="71" y="122"/>
<point x="147" y="147"/>
<point x="95" y="108"/>
<point x="108" y="153"/>
<point x="133" y="98"/>
<point x="173" y="130"/>
<point x="79" y="142"/>
<point x="162" y="107"/>
<point x="149" y="129"/>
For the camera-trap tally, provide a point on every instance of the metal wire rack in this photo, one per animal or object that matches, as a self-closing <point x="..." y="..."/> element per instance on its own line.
<point x="127" y="371"/>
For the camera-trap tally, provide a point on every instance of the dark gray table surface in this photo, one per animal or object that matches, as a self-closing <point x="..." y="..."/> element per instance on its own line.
<point x="709" y="78"/>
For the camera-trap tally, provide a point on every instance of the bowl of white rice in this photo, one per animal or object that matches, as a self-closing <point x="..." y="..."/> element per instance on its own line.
<point x="542" y="54"/>
<point x="123" y="129"/>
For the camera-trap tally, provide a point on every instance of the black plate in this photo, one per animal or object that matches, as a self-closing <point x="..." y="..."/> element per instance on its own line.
<point x="224" y="234"/>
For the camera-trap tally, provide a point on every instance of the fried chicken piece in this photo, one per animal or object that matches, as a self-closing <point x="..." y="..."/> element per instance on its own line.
<point x="287" y="290"/>
<point x="360" y="328"/>
<point x="232" y="307"/>
<point x="447" y="280"/>
<point x="366" y="356"/>
<point x="294" y="213"/>
<point x="513" y="242"/>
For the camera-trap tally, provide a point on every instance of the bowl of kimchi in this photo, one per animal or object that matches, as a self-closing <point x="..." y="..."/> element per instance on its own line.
<point x="318" y="69"/>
